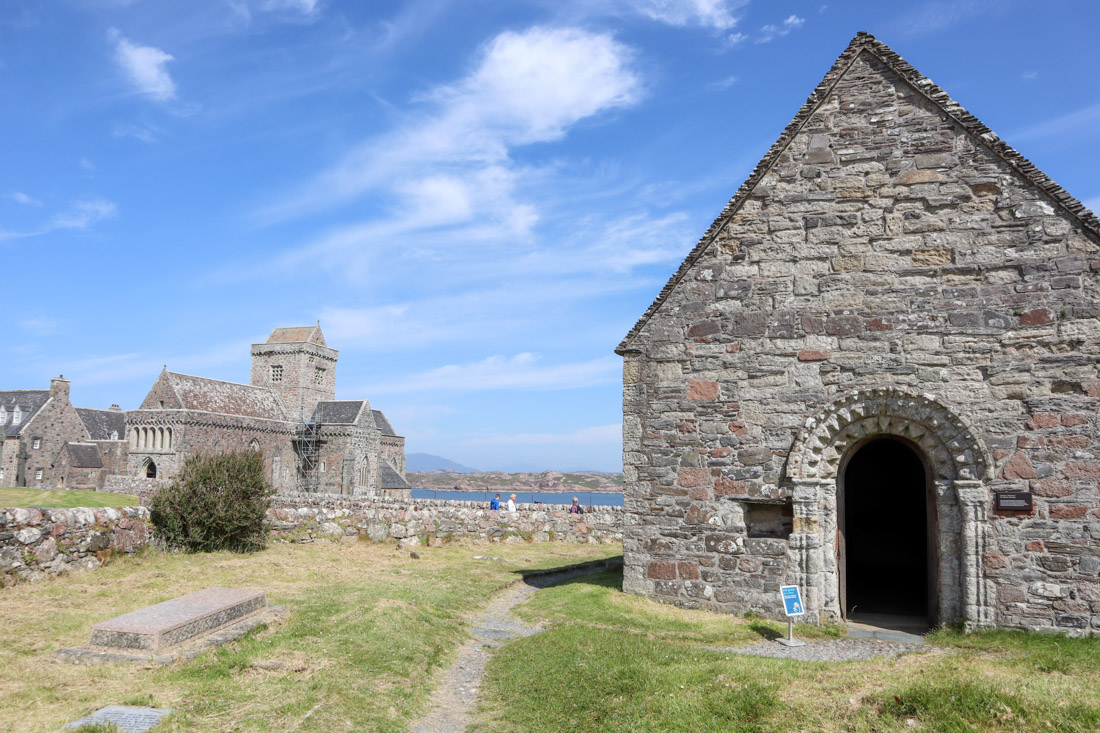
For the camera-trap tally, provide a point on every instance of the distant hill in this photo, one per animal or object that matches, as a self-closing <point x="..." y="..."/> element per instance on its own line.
<point x="528" y="481"/>
<point x="421" y="462"/>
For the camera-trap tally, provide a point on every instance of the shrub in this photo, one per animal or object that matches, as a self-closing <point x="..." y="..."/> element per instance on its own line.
<point x="218" y="502"/>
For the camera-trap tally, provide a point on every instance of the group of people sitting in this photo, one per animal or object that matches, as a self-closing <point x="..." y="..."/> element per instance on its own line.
<point x="574" y="508"/>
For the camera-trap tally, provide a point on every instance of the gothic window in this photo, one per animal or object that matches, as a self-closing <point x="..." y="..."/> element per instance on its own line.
<point x="160" y="404"/>
<point x="36" y="443"/>
<point x="149" y="468"/>
<point x="168" y="438"/>
<point x="254" y="444"/>
<point x="276" y="373"/>
<point x="318" y="376"/>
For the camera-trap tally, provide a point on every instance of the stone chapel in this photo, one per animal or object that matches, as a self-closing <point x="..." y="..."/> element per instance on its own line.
<point x="876" y="377"/>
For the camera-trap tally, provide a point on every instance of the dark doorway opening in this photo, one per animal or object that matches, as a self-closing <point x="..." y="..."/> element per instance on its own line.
<point x="885" y="522"/>
<point x="150" y="470"/>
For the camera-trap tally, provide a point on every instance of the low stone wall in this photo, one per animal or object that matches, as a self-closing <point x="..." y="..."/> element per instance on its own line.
<point x="415" y="521"/>
<point x="136" y="485"/>
<point x="38" y="543"/>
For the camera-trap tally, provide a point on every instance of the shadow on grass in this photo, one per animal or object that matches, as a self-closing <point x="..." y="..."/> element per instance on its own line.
<point x="761" y="627"/>
<point x="577" y="573"/>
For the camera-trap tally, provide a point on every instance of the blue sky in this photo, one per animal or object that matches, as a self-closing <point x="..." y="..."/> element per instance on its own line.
<point x="476" y="199"/>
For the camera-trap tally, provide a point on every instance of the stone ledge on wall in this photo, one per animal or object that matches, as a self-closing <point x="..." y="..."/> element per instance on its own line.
<point x="39" y="543"/>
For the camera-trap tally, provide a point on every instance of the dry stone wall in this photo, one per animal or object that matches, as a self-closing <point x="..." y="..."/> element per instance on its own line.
<point x="36" y="544"/>
<point x="437" y="520"/>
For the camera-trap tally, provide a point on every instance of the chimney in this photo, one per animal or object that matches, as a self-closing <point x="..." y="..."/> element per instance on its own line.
<point x="59" y="387"/>
<point x="114" y="408"/>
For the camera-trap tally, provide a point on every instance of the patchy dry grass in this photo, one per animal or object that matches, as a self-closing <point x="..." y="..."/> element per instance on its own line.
<point x="611" y="662"/>
<point x="63" y="499"/>
<point x="369" y="627"/>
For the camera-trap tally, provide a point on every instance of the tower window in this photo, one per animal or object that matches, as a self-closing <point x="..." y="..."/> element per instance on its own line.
<point x="36" y="443"/>
<point x="276" y="373"/>
<point x="318" y="376"/>
<point x="38" y="475"/>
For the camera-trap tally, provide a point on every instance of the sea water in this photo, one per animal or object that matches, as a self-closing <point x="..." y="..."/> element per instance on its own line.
<point x="586" y="498"/>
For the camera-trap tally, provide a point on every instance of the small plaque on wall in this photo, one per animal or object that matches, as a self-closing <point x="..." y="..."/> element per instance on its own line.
<point x="1012" y="501"/>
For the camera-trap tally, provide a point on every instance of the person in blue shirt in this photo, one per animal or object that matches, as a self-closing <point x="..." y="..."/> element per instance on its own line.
<point x="495" y="503"/>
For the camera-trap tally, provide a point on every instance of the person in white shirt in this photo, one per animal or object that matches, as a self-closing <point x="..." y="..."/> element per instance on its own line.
<point x="512" y="503"/>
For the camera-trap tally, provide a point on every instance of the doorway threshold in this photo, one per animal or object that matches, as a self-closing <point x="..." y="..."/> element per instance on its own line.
<point x="887" y="627"/>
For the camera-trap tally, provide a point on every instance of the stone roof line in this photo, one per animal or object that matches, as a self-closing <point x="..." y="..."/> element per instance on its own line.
<point x="864" y="41"/>
<point x="339" y="412"/>
<point x="390" y="478"/>
<point x="30" y="400"/>
<point x="84" y="455"/>
<point x="101" y="423"/>
<point x="244" y="400"/>
<point x="296" y="335"/>
<point x="383" y="423"/>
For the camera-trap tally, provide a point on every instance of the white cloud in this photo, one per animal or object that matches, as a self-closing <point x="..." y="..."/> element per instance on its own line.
<point x="1070" y="126"/>
<point x="597" y="434"/>
<point x="21" y="198"/>
<point x="1029" y="75"/>
<point x="717" y="14"/>
<point x="770" y="32"/>
<point x="521" y="371"/>
<point x="527" y="87"/>
<point x="940" y="15"/>
<point x="41" y="325"/>
<point x="736" y="39"/>
<point x="87" y="165"/>
<point x="145" y="67"/>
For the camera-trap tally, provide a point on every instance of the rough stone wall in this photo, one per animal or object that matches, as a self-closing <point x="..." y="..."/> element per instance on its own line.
<point x="393" y="450"/>
<point x="298" y="388"/>
<point x="10" y="448"/>
<point x="138" y="486"/>
<point x="161" y="396"/>
<point x="382" y="519"/>
<point x="55" y="424"/>
<point x="885" y="246"/>
<point x="38" y="543"/>
<point x="200" y="432"/>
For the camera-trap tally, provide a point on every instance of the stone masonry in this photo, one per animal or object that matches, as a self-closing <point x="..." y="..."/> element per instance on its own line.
<point x="890" y="270"/>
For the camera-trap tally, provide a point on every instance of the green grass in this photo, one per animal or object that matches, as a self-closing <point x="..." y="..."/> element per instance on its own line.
<point x="369" y="629"/>
<point x="63" y="499"/>
<point x="612" y="662"/>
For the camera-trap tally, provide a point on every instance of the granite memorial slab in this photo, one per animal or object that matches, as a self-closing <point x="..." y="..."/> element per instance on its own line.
<point x="127" y="718"/>
<point x="181" y="627"/>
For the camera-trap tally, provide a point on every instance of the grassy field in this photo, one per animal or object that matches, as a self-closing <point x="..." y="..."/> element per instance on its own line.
<point x="611" y="662"/>
<point x="368" y="629"/>
<point x="63" y="499"/>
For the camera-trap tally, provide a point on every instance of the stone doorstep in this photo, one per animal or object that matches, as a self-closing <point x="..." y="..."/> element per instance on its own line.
<point x="91" y="655"/>
<point x="171" y="623"/>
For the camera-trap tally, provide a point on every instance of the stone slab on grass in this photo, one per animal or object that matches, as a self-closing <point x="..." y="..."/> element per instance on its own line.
<point x="178" y="621"/>
<point x="127" y="718"/>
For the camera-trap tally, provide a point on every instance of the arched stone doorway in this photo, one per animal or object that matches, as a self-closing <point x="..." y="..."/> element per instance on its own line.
<point x="957" y="466"/>
<point x="886" y="533"/>
<point x="149" y="468"/>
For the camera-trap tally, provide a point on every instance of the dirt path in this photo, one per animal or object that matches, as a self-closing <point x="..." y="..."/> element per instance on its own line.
<point x="454" y="698"/>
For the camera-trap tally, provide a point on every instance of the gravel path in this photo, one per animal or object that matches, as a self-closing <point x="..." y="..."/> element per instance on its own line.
<point x="453" y="699"/>
<point x="836" y="650"/>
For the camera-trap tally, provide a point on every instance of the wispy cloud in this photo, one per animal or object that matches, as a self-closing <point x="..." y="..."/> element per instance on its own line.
<point x="21" y="198"/>
<point x="597" y="434"/>
<point x="940" y="15"/>
<point x="82" y="214"/>
<point x="1029" y="75"/>
<point x="300" y="10"/>
<point x="40" y="326"/>
<point x="1070" y="126"/>
<point x="717" y="14"/>
<point x="522" y="371"/>
<point x="772" y="31"/>
<point x="145" y="66"/>
<point x="144" y="133"/>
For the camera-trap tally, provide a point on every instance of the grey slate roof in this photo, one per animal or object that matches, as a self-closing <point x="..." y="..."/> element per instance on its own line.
<point x="227" y="398"/>
<point x="297" y="334"/>
<point x="391" y="479"/>
<point x="866" y="43"/>
<point x="30" y="401"/>
<point x="383" y="424"/>
<point x="101" y="423"/>
<point x="84" y="455"/>
<point x="337" y="411"/>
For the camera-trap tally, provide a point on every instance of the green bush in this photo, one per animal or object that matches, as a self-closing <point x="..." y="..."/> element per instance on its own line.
<point x="218" y="502"/>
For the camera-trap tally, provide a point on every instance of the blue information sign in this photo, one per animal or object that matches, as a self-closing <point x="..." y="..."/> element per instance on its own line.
<point x="792" y="600"/>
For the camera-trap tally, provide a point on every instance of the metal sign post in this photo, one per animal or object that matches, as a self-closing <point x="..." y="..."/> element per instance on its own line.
<point x="792" y="606"/>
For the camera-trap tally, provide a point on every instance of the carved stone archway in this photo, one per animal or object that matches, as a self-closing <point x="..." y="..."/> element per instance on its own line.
<point x="961" y="466"/>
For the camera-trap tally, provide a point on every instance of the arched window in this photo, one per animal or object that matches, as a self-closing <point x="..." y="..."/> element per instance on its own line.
<point x="149" y="468"/>
<point x="168" y="438"/>
<point x="324" y="467"/>
<point x="253" y="444"/>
